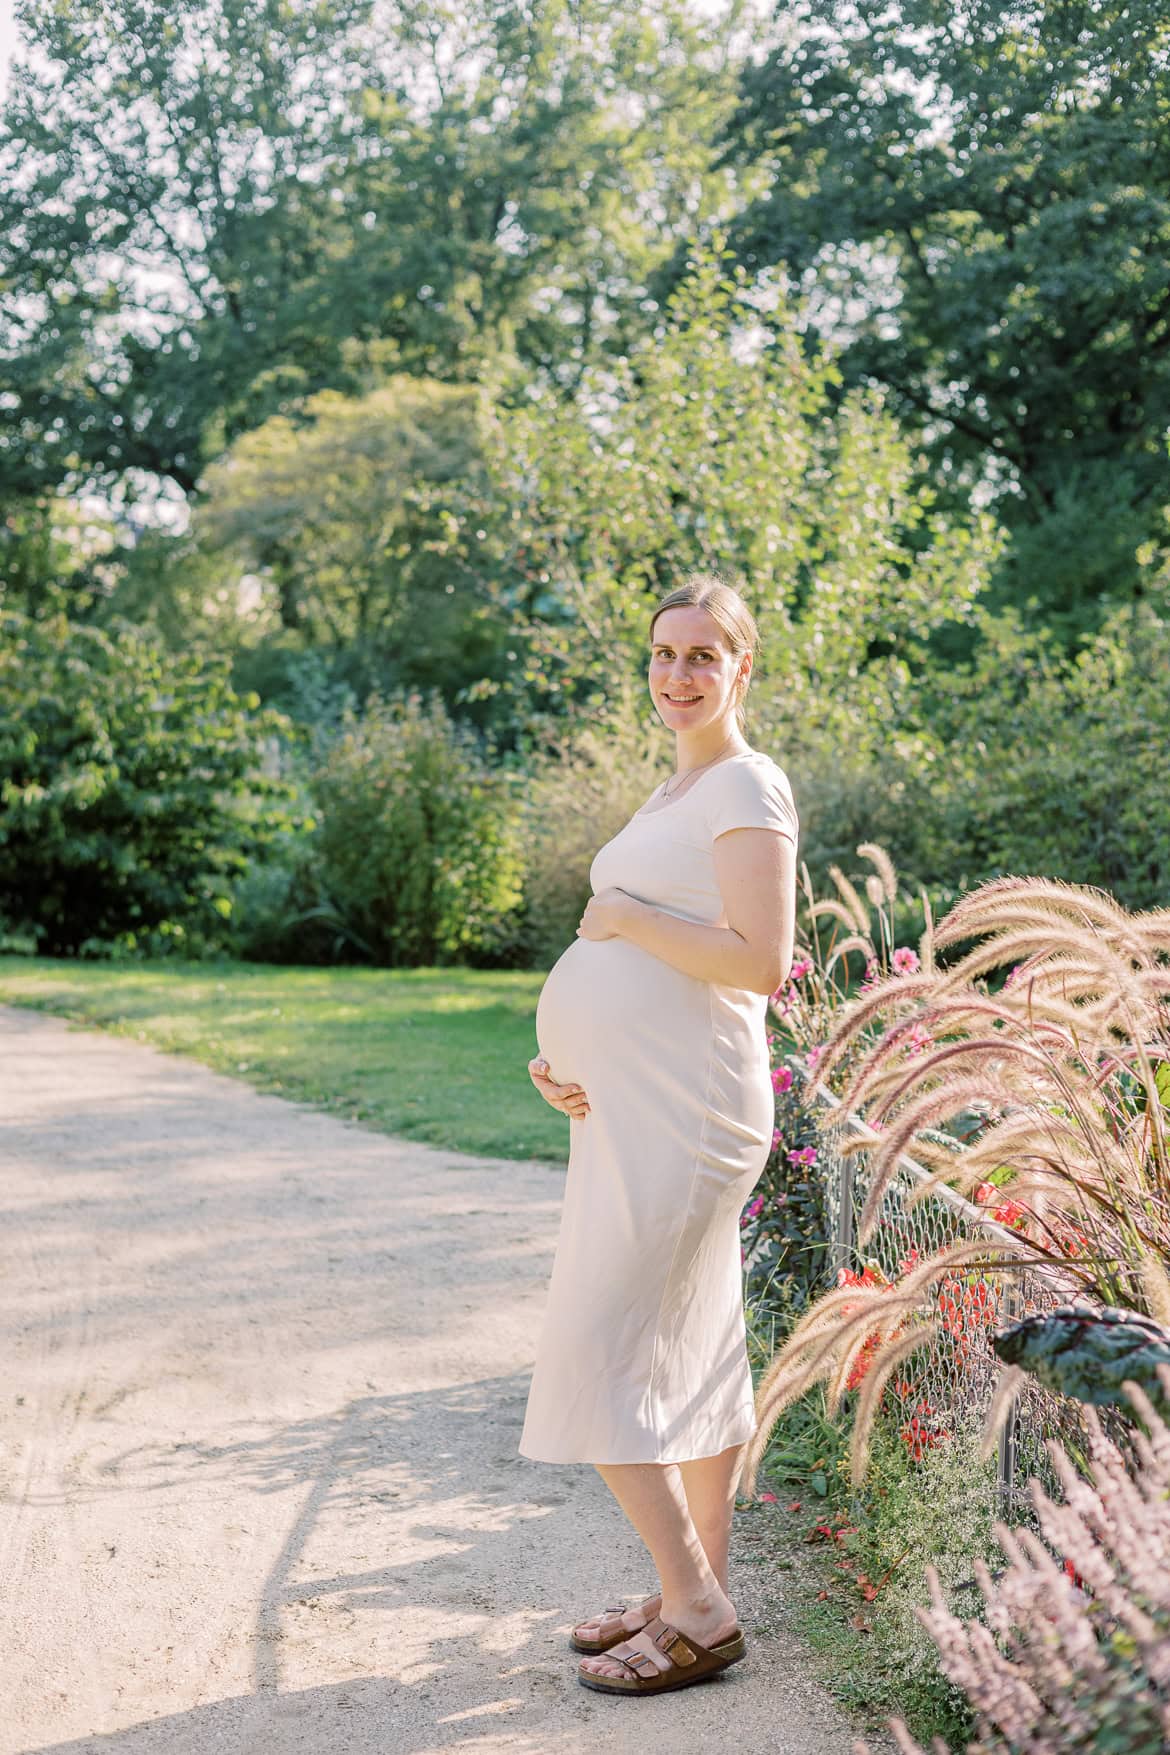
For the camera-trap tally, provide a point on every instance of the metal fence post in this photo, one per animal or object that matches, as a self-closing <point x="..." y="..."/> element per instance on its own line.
<point x="1008" y="1457"/>
<point x="846" y="1169"/>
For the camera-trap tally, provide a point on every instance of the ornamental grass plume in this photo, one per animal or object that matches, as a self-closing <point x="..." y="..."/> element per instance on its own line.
<point x="1067" y="1071"/>
<point x="1075" y="1652"/>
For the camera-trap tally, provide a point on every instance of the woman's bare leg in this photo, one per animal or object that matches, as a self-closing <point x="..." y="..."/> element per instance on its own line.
<point x="654" y="1499"/>
<point x="709" y="1484"/>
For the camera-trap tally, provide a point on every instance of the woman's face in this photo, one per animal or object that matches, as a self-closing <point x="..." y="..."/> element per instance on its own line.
<point x="693" y="672"/>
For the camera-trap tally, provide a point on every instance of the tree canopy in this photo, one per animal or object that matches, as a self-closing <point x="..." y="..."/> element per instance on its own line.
<point x="202" y="202"/>
<point x="977" y="194"/>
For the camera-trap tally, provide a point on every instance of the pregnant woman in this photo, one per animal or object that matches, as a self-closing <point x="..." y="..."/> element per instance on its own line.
<point x="651" y="1032"/>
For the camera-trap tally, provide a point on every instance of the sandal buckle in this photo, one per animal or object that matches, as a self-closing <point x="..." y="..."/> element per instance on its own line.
<point x="675" y="1647"/>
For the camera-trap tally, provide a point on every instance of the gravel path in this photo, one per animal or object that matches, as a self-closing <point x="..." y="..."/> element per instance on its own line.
<point x="264" y="1374"/>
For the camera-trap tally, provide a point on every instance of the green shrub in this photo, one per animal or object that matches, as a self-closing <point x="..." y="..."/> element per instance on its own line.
<point x="418" y="844"/>
<point x="1047" y="765"/>
<point x="281" y="912"/>
<point x="130" y="789"/>
<point x="1021" y="760"/>
<point x="784" y="1229"/>
<point x="581" y="789"/>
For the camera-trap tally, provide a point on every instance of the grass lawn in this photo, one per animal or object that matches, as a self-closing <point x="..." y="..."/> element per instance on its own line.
<point x="433" y="1054"/>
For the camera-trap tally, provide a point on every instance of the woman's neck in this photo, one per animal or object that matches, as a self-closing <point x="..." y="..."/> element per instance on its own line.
<point x="695" y="749"/>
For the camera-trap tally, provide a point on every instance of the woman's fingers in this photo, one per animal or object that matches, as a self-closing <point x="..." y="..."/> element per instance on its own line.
<point x="570" y="1099"/>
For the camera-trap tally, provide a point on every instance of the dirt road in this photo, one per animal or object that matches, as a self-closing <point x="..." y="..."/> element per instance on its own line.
<point x="264" y="1375"/>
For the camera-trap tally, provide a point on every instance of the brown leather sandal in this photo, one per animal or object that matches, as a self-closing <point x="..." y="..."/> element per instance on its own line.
<point x="689" y="1661"/>
<point x="611" y="1629"/>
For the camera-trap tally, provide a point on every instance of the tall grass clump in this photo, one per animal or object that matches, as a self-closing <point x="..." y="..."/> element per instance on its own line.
<point x="1067" y="1065"/>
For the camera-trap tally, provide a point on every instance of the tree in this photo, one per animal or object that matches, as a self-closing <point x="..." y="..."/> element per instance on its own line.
<point x="164" y="224"/>
<point x="987" y="185"/>
<point x="701" y="450"/>
<point x="359" y="514"/>
<point x="204" y="200"/>
<point x="128" y="788"/>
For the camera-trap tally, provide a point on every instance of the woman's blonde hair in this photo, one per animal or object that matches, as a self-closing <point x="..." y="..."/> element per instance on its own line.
<point x="728" y="610"/>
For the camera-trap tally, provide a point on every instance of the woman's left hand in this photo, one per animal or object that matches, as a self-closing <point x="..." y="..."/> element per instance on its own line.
<point x="606" y="913"/>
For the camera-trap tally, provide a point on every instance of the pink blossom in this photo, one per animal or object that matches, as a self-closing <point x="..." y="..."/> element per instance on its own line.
<point x="803" y="1155"/>
<point x="775" y="1138"/>
<point x="800" y="969"/>
<point x="781" y="1078"/>
<point x="918" y="1039"/>
<point x="814" y="1055"/>
<point x="904" y="960"/>
<point x="756" y="1207"/>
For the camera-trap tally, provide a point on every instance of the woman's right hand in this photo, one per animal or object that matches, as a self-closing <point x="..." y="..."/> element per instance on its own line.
<point x="569" y="1099"/>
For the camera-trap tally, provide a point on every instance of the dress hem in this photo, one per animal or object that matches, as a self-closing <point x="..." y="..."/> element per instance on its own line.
<point x="690" y="1456"/>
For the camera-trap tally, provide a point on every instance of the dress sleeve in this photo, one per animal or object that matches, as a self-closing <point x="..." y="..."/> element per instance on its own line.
<point x="752" y="795"/>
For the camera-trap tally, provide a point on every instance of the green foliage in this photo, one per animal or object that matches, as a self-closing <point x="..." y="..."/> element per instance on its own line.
<point x="358" y="513"/>
<point x="698" y="451"/>
<point x="581" y="789"/>
<point x="980" y="192"/>
<point x="868" y="1551"/>
<point x="418" y="841"/>
<point x="936" y="1512"/>
<point x="1076" y="1657"/>
<point x="1038" y="763"/>
<point x="41" y="572"/>
<point x="785" y="1229"/>
<point x="129" y="788"/>
<point x="1090" y="1353"/>
<point x="443" y="184"/>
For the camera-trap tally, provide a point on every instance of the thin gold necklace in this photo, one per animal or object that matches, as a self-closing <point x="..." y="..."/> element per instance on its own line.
<point x="698" y="770"/>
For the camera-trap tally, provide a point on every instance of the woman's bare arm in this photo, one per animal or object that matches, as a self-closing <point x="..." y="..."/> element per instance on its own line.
<point x="756" y="873"/>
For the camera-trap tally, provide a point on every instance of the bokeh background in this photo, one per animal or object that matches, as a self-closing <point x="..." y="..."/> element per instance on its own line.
<point x="367" y="371"/>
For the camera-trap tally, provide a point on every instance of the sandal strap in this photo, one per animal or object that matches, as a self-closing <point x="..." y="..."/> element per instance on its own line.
<point x="687" y="1660"/>
<point x="639" y="1663"/>
<point x="612" y="1614"/>
<point x="668" y="1640"/>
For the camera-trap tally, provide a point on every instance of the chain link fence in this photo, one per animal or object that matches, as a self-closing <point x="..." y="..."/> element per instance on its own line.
<point x="946" y="1388"/>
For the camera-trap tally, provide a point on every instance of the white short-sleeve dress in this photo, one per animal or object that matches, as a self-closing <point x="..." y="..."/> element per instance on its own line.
<point x="642" y="1355"/>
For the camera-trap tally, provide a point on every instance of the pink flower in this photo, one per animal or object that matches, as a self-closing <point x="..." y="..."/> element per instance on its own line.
<point x="756" y="1207"/>
<point x="919" y="1039"/>
<point x="775" y="1138"/>
<point x="800" y="969"/>
<point x="781" y="1078"/>
<point x="803" y="1155"/>
<point x="904" y="961"/>
<point x="813" y="1056"/>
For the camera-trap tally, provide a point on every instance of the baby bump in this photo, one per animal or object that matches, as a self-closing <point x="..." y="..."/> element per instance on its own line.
<point x="610" y="1010"/>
